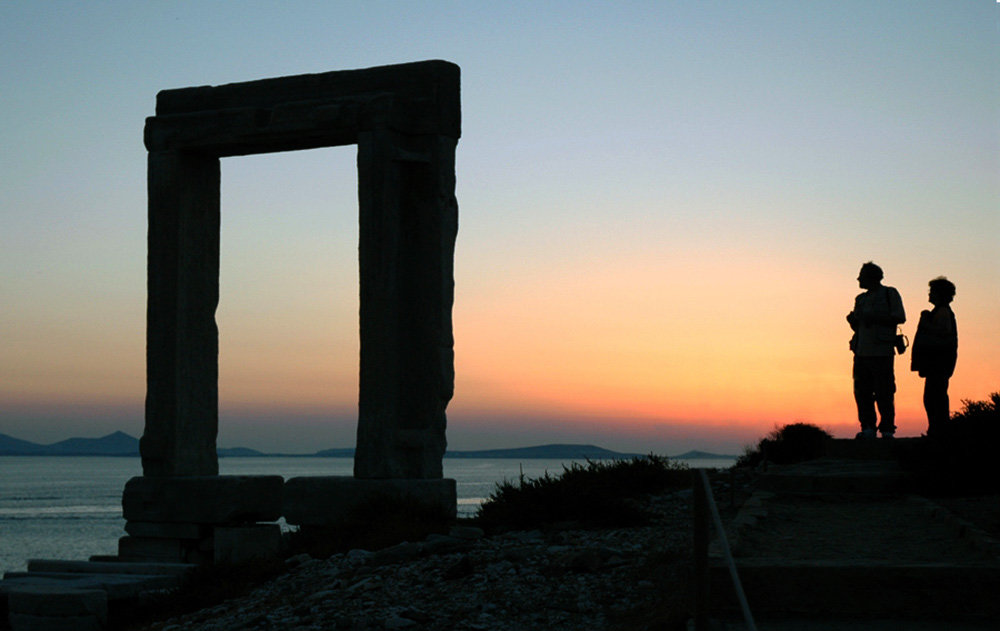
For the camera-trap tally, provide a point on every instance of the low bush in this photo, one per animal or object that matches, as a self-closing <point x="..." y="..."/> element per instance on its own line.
<point x="795" y="442"/>
<point x="597" y="494"/>
<point x="978" y="416"/>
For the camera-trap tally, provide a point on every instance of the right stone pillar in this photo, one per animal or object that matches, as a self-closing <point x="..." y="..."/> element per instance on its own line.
<point x="408" y="225"/>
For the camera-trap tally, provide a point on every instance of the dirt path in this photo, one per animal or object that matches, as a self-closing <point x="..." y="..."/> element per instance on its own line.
<point x="982" y="512"/>
<point x="899" y="529"/>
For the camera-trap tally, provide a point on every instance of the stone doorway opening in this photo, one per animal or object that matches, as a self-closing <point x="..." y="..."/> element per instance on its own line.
<point x="288" y="315"/>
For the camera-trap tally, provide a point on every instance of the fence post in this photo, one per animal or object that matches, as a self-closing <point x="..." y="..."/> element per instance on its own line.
<point x="701" y="539"/>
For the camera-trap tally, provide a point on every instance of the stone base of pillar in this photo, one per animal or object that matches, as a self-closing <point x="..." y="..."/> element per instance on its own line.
<point x="177" y="519"/>
<point x="164" y="550"/>
<point x="199" y="543"/>
<point x="167" y="531"/>
<point x="334" y="500"/>
<point x="219" y="499"/>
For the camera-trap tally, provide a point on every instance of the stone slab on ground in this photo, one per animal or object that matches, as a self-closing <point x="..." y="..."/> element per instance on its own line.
<point x="329" y="500"/>
<point x="224" y="499"/>
<point x="58" y="595"/>
<point x="109" y="567"/>
<point x="117" y="586"/>
<point x="25" y="622"/>
<point x="57" y="601"/>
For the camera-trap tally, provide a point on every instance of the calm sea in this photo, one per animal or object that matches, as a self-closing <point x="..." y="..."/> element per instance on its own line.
<point x="70" y="507"/>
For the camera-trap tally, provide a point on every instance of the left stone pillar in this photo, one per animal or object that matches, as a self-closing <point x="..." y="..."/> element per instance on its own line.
<point x="182" y="339"/>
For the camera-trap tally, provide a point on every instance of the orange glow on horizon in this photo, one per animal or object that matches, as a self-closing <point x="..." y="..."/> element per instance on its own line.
<point x="721" y="343"/>
<point x="637" y="343"/>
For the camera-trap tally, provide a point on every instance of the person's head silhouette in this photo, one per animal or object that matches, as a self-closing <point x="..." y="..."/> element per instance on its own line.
<point x="870" y="276"/>
<point x="942" y="291"/>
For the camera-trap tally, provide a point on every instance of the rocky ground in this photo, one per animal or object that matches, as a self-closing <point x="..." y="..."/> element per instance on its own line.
<point x="561" y="578"/>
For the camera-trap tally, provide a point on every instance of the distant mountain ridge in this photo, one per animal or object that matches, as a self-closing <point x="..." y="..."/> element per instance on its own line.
<point x="114" y="444"/>
<point x="576" y="452"/>
<point x="701" y="455"/>
<point x="570" y="451"/>
<point x="121" y="444"/>
<point x="10" y="446"/>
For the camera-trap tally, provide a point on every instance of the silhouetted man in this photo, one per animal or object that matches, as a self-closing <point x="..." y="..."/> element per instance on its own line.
<point x="876" y="314"/>
<point x="935" y="352"/>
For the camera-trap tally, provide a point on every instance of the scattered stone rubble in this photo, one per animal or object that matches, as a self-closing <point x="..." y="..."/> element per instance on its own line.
<point x="565" y="578"/>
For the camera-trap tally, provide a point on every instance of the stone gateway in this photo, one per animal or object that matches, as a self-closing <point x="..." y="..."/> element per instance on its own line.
<point x="405" y="120"/>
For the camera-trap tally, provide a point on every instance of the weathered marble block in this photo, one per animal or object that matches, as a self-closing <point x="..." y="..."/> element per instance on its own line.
<point x="167" y="531"/>
<point x="224" y="499"/>
<point x="330" y="500"/>
<point x="56" y="603"/>
<point x="148" y="549"/>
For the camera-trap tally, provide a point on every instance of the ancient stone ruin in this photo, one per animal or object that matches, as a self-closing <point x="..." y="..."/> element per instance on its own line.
<point x="405" y="121"/>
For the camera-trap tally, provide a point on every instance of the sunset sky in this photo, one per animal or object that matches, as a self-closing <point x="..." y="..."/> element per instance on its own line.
<point x="663" y="207"/>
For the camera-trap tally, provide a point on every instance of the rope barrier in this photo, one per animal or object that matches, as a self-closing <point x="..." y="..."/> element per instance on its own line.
<point x="703" y="493"/>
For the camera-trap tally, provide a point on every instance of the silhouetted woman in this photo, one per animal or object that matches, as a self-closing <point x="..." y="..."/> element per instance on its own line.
<point x="935" y="351"/>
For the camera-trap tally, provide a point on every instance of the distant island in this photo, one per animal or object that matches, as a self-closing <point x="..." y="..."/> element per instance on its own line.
<point x="116" y="444"/>
<point x="121" y="444"/>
